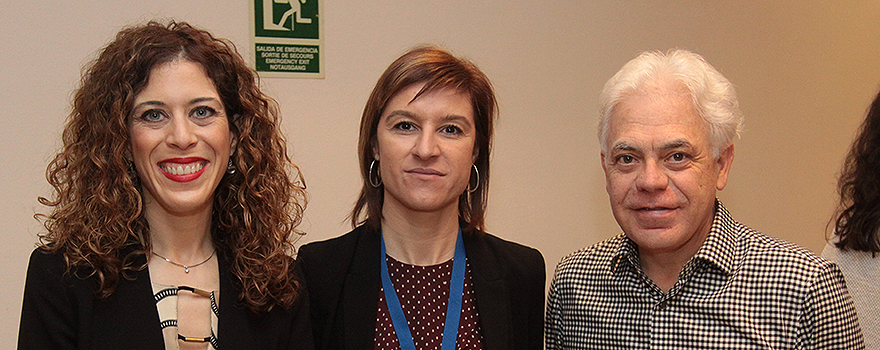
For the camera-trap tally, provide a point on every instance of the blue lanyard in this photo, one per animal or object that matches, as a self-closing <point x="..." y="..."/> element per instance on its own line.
<point x="453" y="306"/>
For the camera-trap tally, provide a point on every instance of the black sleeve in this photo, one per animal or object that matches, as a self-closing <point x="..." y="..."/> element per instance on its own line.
<point x="301" y="330"/>
<point x="536" y="298"/>
<point x="49" y="313"/>
<point x="316" y="312"/>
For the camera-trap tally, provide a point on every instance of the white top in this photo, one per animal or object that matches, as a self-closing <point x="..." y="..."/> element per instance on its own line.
<point x="862" y="274"/>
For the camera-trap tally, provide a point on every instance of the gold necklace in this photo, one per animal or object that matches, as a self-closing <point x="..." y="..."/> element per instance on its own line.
<point x="185" y="267"/>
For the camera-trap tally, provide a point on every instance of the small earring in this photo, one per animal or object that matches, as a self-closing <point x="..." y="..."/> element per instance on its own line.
<point x="476" y="183"/>
<point x="230" y="168"/>
<point x="378" y="182"/>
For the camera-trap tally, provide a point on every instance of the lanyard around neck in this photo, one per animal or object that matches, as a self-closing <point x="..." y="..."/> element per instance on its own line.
<point x="453" y="306"/>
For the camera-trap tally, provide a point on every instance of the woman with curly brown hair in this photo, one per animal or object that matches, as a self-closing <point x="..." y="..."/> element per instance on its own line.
<point x="419" y="271"/>
<point x="174" y="207"/>
<point x="856" y="242"/>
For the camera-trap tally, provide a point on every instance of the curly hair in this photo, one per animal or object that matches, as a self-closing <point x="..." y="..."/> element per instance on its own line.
<point x="857" y="222"/>
<point x="438" y="69"/>
<point x="97" y="220"/>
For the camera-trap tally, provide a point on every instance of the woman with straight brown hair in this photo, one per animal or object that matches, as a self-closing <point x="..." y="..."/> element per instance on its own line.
<point x="419" y="271"/>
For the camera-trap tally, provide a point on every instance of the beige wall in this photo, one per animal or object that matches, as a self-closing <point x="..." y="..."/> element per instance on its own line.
<point x="805" y="72"/>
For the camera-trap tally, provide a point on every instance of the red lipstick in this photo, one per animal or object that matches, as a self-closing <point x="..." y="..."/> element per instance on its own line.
<point x="183" y="169"/>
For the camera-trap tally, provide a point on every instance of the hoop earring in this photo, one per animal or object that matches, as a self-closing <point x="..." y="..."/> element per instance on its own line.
<point x="476" y="183"/>
<point x="378" y="182"/>
<point x="230" y="168"/>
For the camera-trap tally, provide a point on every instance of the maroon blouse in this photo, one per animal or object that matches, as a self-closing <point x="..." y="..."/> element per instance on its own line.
<point x="423" y="293"/>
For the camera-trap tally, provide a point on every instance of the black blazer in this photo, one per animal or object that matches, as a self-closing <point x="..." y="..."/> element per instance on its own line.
<point x="342" y="275"/>
<point x="60" y="311"/>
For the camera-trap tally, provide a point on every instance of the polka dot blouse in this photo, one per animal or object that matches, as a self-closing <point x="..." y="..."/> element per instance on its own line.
<point x="423" y="292"/>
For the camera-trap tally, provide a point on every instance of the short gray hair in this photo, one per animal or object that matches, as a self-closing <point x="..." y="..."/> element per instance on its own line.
<point x="713" y="95"/>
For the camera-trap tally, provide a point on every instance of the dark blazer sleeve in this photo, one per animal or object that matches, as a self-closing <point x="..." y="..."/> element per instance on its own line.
<point x="322" y="302"/>
<point x="342" y="275"/>
<point x="301" y="336"/>
<point x="533" y="282"/>
<point x="535" y="305"/>
<point x="509" y="284"/>
<point x="61" y="311"/>
<point x="49" y="317"/>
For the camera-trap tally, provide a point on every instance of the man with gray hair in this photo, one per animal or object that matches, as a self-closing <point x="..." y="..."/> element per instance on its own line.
<point x="684" y="274"/>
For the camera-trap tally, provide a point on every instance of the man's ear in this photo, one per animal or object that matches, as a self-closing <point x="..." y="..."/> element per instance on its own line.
<point x="724" y="161"/>
<point x="602" y="160"/>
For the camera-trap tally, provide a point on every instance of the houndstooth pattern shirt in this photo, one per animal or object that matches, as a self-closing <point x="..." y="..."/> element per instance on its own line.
<point x="742" y="290"/>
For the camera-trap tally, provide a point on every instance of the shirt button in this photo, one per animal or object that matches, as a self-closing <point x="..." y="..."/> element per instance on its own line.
<point x="662" y="305"/>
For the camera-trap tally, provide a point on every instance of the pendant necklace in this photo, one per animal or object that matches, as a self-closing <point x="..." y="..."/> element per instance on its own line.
<point x="185" y="267"/>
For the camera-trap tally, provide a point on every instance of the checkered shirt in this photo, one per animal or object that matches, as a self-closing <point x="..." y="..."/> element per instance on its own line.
<point x="742" y="290"/>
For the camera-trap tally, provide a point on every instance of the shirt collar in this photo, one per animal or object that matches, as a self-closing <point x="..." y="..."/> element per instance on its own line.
<point x="627" y="253"/>
<point x="719" y="248"/>
<point x="721" y="244"/>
